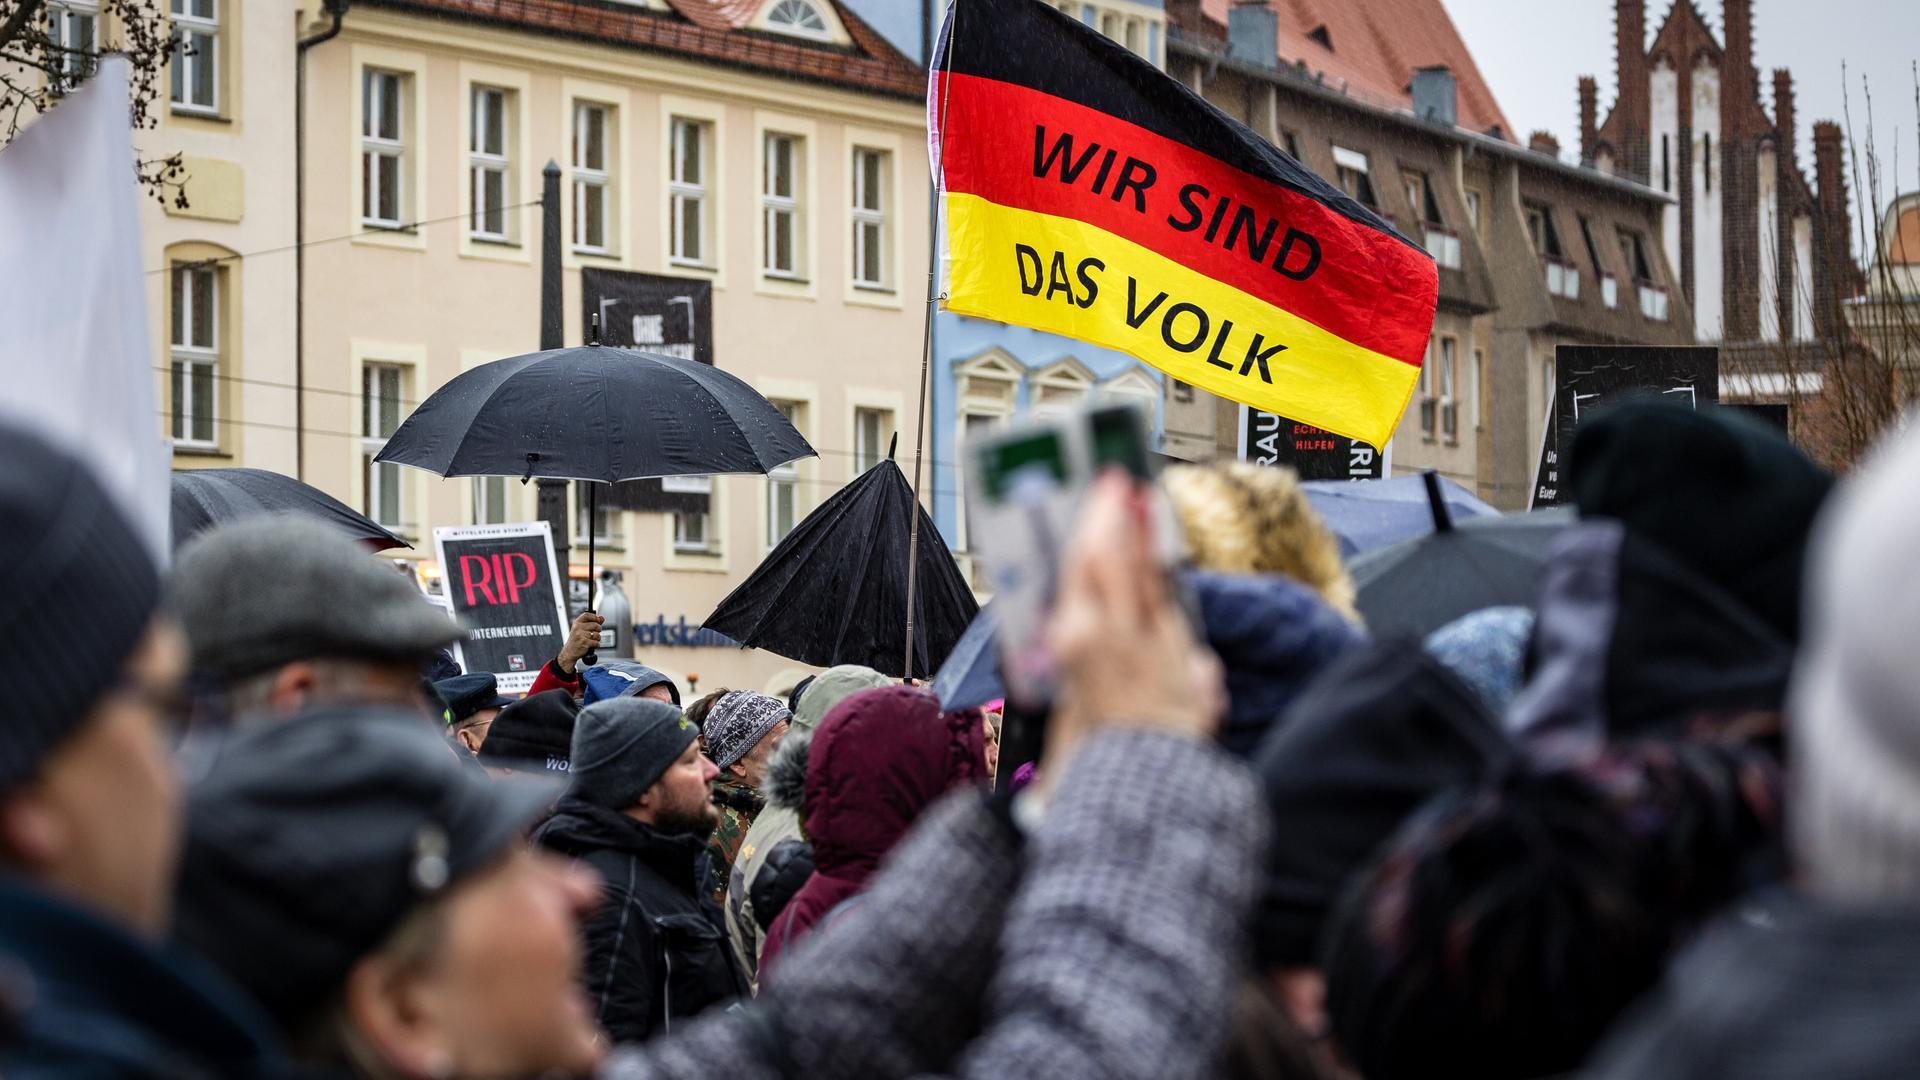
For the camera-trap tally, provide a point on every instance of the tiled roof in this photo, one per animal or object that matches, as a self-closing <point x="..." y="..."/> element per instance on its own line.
<point x="1370" y="48"/>
<point x="706" y="30"/>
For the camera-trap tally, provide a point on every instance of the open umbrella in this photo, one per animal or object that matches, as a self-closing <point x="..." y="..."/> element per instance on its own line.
<point x="597" y="414"/>
<point x="971" y="675"/>
<point x="203" y="498"/>
<point x="1368" y="514"/>
<point x="1419" y="585"/>
<point x="835" y="590"/>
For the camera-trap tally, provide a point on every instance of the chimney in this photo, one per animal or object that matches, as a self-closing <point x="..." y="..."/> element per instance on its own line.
<point x="1253" y="34"/>
<point x="1633" y="104"/>
<point x="1435" y="95"/>
<point x="1833" y="236"/>
<point x="1783" y="122"/>
<point x="1738" y="81"/>
<point x="1589" y="123"/>
<point x="1543" y="142"/>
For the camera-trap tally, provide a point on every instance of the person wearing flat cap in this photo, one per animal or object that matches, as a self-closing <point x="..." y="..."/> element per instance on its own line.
<point x="473" y="701"/>
<point x="638" y="810"/>
<point x="380" y="902"/>
<point x="741" y="732"/>
<point x="532" y="735"/>
<point x="280" y="615"/>
<point x="89" y="802"/>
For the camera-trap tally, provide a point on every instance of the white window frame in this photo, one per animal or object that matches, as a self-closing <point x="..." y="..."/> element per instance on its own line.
<point x="485" y="510"/>
<point x="482" y="163"/>
<point x="685" y="542"/>
<point x="683" y="191"/>
<point x="186" y="355"/>
<point x="588" y="179"/>
<point x="784" y="479"/>
<point x="186" y="67"/>
<point x="823" y="32"/>
<point x="871" y="220"/>
<point x="377" y="475"/>
<point x="607" y="531"/>
<point x="376" y="83"/>
<point x="63" y="17"/>
<point x="777" y="209"/>
<point x="868" y="454"/>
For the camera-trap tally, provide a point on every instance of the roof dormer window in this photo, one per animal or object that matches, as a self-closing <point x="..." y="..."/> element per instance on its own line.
<point x="800" y="18"/>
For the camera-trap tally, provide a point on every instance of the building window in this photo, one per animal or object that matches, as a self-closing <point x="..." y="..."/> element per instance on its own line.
<point x="1473" y="210"/>
<point x="382" y="148"/>
<point x="1653" y="298"/>
<point x="1666" y="163"/>
<point x="196" y="56"/>
<point x="1706" y="161"/>
<point x="1441" y="242"/>
<point x="1424" y="387"/>
<point x="195" y="360"/>
<point x="1449" y="408"/>
<point x="689" y="191"/>
<point x="487" y="164"/>
<point x="798" y="17"/>
<point x="1563" y="275"/>
<point x="780" y="205"/>
<point x="606" y="522"/>
<point x="1290" y="142"/>
<point x="1350" y="168"/>
<point x="490" y="500"/>
<point x="783" y="486"/>
<point x="1479" y="375"/>
<point x="73" y="32"/>
<point x="870" y="430"/>
<point x="1134" y="37"/>
<point x="382" y="391"/>
<point x="691" y="532"/>
<point x="592" y="172"/>
<point x="871" y="171"/>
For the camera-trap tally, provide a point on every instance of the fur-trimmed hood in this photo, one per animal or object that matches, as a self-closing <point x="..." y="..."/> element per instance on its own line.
<point x="786" y="783"/>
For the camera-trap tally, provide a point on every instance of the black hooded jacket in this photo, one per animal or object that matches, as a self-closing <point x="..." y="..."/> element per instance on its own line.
<point x="656" y="949"/>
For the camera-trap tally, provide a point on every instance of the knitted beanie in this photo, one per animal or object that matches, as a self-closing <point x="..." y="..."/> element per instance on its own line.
<point x="1854" y="815"/>
<point x="737" y="723"/>
<point x="622" y="745"/>
<point x="69" y="561"/>
<point x="533" y="734"/>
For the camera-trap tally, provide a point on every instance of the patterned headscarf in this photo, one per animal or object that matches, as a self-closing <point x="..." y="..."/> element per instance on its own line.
<point x="738" y="722"/>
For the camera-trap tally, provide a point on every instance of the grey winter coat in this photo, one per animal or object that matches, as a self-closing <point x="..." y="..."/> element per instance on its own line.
<point x="777" y="822"/>
<point x="979" y="954"/>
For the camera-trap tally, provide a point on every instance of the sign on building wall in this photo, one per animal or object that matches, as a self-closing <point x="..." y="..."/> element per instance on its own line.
<point x="1586" y="377"/>
<point x="659" y="314"/>
<point x="503" y="584"/>
<point x="1314" y="453"/>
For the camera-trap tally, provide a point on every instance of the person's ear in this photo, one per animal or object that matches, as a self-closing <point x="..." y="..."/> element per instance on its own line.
<point x="32" y="833"/>
<point x="470" y="738"/>
<point x="738" y="769"/>
<point x="390" y="1011"/>
<point x="292" y="687"/>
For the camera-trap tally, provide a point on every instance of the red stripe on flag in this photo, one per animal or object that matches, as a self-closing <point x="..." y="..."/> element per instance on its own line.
<point x="1370" y="288"/>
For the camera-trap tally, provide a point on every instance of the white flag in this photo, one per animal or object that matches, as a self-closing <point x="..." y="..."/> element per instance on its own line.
<point x="75" y="362"/>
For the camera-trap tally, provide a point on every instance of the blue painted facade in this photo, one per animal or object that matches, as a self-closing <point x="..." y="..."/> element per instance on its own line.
<point x="960" y="343"/>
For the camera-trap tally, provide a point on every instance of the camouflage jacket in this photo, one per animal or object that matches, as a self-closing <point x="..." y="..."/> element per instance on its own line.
<point x="738" y="805"/>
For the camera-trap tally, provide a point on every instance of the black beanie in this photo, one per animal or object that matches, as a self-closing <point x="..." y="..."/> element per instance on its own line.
<point x="1725" y="494"/>
<point x="68" y="558"/>
<point x="1379" y="732"/>
<point x="622" y="745"/>
<point x="533" y="734"/>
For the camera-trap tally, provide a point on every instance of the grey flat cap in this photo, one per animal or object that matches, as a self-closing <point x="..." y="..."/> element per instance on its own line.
<point x="270" y="590"/>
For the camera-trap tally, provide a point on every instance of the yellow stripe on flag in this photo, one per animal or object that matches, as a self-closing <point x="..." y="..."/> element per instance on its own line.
<point x="1081" y="281"/>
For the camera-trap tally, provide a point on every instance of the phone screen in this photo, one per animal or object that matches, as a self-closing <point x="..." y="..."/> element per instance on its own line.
<point x="1120" y="440"/>
<point x="1042" y="455"/>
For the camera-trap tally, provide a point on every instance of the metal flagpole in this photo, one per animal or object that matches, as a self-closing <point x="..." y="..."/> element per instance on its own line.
<point x="926" y="355"/>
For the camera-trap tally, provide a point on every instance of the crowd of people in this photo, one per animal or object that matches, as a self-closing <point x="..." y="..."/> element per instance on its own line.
<point x="1663" y="822"/>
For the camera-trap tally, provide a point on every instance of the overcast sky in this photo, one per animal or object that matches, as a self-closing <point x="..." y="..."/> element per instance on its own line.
<point x="1531" y="53"/>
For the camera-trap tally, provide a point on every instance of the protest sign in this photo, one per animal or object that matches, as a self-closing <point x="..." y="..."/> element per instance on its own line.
<point x="659" y="314"/>
<point x="1585" y="377"/>
<point x="502" y="583"/>
<point x="1314" y="453"/>
<point x="1088" y="194"/>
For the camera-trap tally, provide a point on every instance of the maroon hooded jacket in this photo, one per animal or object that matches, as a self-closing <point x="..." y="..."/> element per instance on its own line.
<point x="878" y="760"/>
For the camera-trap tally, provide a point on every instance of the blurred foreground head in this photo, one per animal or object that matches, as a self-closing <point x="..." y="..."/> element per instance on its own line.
<point x="1855" y="724"/>
<point x="380" y="901"/>
<point x="89" y="805"/>
<point x="1507" y="926"/>
<point x="1255" y="519"/>
<point x="280" y="616"/>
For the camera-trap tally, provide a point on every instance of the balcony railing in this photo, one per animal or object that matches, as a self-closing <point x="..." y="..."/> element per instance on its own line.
<point x="1609" y="290"/>
<point x="1563" y="277"/>
<point x="1653" y="301"/>
<point x="1443" y="244"/>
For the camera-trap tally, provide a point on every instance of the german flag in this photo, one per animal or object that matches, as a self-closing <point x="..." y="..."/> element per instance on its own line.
<point x="1087" y="194"/>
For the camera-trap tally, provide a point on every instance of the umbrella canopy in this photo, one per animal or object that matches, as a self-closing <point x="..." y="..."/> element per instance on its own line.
<point x="595" y="413"/>
<point x="1368" y="514"/>
<point x="203" y="498"/>
<point x="835" y="590"/>
<point x="1419" y="585"/>
<point x="971" y="676"/>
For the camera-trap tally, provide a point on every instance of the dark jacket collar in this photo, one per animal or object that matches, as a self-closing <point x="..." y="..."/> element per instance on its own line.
<point x="100" y="994"/>
<point x="579" y="828"/>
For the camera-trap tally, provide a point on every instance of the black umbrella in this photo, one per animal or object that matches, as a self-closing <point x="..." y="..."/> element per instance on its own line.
<point x="835" y="590"/>
<point x="203" y="498"/>
<point x="597" y="414"/>
<point x="1417" y="586"/>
